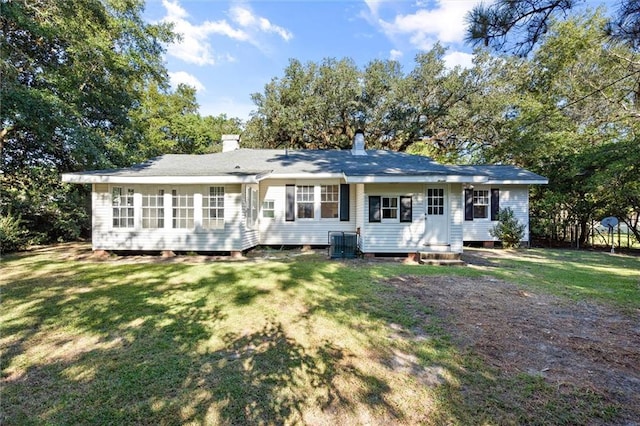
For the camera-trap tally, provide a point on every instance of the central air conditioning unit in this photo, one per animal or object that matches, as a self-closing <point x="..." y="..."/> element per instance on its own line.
<point x="343" y="245"/>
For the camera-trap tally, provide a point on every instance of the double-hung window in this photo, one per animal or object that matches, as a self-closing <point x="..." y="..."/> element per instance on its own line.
<point x="213" y="208"/>
<point x="305" y="201"/>
<point x="182" y="205"/>
<point x="268" y="209"/>
<point x="480" y="204"/>
<point x="153" y="210"/>
<point x="122" y="207"/>
<point x="329" y="197"/>
<point x="389" y="208"/>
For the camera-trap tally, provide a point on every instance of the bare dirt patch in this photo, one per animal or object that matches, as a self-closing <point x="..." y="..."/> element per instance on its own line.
<point x="573" y="344"/>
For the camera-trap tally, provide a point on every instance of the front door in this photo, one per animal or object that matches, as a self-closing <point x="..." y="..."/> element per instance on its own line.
<point x="436" y="217"/>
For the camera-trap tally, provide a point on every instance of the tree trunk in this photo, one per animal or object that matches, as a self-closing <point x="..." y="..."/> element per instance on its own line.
<point x="584" y="233"/>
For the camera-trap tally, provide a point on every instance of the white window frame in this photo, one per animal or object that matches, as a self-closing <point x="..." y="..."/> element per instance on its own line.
<point x="330" y="198"/>
<point x="123" y="202"/>
<point x="269" y="206"/>
<point x="213" y="208"/>
<point x="251" y="206"/>
<point x="435" y="201"/>
<point x="390" y="208"/>
<point x="305" y="195"/>
<point x="153" y="210"/>
<point x="481" y="198"/>
<point x="183" y="210"/>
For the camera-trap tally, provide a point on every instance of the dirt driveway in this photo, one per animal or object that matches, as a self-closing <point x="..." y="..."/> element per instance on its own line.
<point x="572" y="344"/>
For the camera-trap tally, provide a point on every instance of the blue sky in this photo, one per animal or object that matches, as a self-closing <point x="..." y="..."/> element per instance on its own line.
<point x="230" y="49"/>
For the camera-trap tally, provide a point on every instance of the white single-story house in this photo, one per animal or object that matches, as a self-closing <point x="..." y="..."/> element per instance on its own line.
<point x="387" y="202"/>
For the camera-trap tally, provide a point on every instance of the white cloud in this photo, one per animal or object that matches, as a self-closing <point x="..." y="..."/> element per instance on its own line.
<point x="244" y="17"/>
<point x="175" y="10"/>
<point x="445" y="22"/>
<point x="184" y="77"/>
<point x="453" y="59"/>
<point x="395" y="54"/>
<point x="374" y="6"/>
<point x="195" y="46"/>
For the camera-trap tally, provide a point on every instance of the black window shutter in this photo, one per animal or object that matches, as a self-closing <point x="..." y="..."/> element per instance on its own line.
<point x="468" y="204"/>
<point x="406" y="210"/>
<point x="344" y="202"/>
<point x="290" y="206"/>
<point x="495" y="203"/>
<point x="375" y="202"/>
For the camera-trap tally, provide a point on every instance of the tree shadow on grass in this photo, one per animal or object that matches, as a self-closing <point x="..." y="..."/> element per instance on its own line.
<point x="128" y="344"/>
<point x="105" y="345"/>
<point x="263" y="378"/>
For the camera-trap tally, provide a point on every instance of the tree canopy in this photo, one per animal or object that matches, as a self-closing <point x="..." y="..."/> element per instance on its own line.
<point x="321" y="105"/>
<point x="517" y="26"/>
<point x="83" y="87"/>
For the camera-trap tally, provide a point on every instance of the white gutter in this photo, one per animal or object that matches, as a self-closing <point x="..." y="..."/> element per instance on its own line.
<point x="307" y="175"/>
<point x="415" y="179"/>
<point x="80" y="178"/>
<point x="518" y="182"/>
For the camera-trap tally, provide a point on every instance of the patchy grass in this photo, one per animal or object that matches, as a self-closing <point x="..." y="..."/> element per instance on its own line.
<point x="576" y="274"/>
<point x="287" y="341"/>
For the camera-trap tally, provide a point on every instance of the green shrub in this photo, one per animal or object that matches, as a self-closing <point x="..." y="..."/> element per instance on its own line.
<point x="508" y="229"/>
<point x="13" y="236"/>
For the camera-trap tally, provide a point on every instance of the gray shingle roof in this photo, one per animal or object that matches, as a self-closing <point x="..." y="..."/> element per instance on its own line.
<point x="251" y="162"/>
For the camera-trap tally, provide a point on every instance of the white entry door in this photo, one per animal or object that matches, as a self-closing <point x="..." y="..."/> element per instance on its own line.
<point x="436" y="216"/>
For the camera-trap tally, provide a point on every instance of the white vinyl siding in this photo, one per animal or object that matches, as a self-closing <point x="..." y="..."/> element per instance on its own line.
<point x="232" y="237"/>
<point x="514" y="196"/>
<point x="277" y="231"/>
<point x="390" y="235"/>
<point x="398" y="237"/>
<point x="456" y="218"/>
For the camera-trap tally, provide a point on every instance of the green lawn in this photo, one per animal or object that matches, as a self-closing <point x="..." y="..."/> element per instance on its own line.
<point x="300" y="340"/>
<point x="576" y="274"/>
